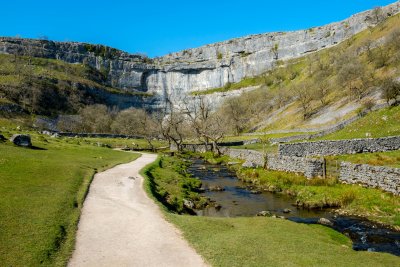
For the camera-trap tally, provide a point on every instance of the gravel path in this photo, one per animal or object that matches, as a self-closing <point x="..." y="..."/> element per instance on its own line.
<point x="121" y="226"/>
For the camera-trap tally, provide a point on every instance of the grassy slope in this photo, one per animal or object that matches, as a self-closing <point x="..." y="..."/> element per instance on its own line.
<point x="268" y="242"/>
<point x="279" y="82"/>
<point x="381" y="123"/>
<point x="48" y="86"/>
<point x="42" y="192"/>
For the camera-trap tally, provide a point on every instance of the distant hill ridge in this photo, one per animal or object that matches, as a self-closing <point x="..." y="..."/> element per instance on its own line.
<point x="211" y="66"/>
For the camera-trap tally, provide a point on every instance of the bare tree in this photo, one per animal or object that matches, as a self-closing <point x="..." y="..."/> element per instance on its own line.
<point x="209" y="126"/>
<point x="172" y="124"/>
<point x="235" y="114"/>
<point x="351" y="75"/>
<point x="304" y="96"/>
<point x="96" y="118"/>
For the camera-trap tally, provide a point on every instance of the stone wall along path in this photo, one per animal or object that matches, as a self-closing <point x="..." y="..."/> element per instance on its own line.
<point x="121" y="226"/>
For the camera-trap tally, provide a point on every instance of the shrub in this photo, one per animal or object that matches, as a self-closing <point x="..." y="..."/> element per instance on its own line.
<point x="390" y="89"/>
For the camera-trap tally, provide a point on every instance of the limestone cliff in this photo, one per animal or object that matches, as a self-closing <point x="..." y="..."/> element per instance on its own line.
<point x="201" y="68"/>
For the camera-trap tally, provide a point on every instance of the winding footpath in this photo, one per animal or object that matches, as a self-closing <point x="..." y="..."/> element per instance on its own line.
<point x="121" y="226"/>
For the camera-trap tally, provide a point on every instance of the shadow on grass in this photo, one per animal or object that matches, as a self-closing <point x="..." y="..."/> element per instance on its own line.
<point x="37" y="148"/>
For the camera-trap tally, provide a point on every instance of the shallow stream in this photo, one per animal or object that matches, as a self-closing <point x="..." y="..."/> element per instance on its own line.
<point x="235" y="198"/>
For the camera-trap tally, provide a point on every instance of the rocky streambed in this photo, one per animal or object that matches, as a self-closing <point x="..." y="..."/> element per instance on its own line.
<point x="232" y="198"/>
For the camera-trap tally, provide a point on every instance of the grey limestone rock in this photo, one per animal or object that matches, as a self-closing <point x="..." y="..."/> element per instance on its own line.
<point x="325" y="221"/>
<point x="21" y="140"/>
<point x="177" y="74"/>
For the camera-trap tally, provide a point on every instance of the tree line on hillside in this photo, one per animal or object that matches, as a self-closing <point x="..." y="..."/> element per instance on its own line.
<point x="193" y="121"/>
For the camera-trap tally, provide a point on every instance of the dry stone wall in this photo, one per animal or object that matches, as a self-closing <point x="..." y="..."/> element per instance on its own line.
<point x="308" y="166"/>
<point x="252" y="158"/>
<point x="388" y="179"/>
<point x="340" y="147"/>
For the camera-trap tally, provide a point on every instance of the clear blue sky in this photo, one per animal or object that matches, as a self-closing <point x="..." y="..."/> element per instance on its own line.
<point x="156" y="27"/>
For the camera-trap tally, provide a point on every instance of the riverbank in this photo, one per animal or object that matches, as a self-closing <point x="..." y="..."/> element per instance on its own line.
<point x="373" y="204"/>
<point x="255" y="241"/>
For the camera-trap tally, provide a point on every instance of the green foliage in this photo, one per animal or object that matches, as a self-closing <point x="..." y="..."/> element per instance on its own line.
<point x="171" y="184"/>
<point x="42" y="192"/>
<point x="219" y="56"/>
<point x="102" y="51"/>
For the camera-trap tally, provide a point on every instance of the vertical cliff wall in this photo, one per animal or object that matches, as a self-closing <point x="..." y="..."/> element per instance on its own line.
<point x="201" y="68"/>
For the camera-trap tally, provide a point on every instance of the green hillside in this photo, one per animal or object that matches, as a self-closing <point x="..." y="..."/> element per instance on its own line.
<point x="352" y="73"/>
<point x="49" y="87"/>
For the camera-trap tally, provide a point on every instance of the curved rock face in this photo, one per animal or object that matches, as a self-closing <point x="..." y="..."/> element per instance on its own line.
<point x="201" y="68"/>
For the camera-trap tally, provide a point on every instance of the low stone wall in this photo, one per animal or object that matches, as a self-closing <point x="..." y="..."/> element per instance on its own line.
<point x="92" y="135"/>
<point x="254" y="157"/>
<point x="308" y="166"/>
<point x="201" y="148"/>
<point x="388" y="179"/>
<point x="340" y="147"/>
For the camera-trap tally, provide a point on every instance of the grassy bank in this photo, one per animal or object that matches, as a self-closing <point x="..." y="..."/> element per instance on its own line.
<point x="173" y="186"/>
<point x="318" y="193"/>
<point x="42" y="191"/>
<point x="256" y="241"/>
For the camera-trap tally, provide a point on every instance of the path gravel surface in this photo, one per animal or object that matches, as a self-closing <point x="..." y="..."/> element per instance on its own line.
<point x="121" y="226"/>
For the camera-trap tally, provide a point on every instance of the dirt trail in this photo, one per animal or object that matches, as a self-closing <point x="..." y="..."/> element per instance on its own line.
<point x="121" y="226"/>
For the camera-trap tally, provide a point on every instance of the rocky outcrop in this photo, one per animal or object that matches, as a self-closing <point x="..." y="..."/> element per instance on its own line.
<point x="210" y="66"/>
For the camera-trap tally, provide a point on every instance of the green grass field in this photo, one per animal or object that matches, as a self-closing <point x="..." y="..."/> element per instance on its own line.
<point x="42" y="192"/>
<point x="255" y="241"/>
<point x="272" y="242"/>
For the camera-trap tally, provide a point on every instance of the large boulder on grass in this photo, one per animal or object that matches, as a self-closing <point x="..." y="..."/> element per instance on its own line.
<point x="2" y="138"/>
<point x="23" y="140"/>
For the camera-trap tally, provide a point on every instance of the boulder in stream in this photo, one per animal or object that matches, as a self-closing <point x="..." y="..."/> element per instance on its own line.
<point x="264" y="213"/>
<point x="325" y="221"/>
